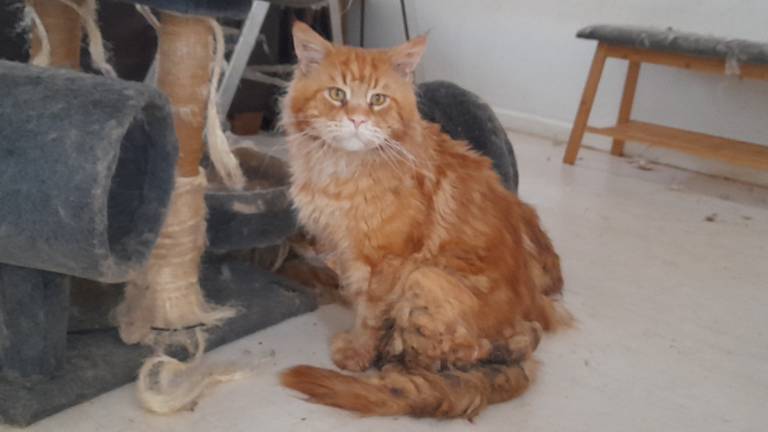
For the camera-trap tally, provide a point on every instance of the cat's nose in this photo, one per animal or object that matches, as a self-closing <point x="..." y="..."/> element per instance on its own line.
<point x="357" y="121"/>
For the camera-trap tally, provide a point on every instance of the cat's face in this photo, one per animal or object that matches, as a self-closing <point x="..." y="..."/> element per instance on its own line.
<point x="352" y="99"/>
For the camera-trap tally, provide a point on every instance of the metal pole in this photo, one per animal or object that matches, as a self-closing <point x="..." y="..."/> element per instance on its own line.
<point x="405" y="20"/>
<point x="362" y="23"/>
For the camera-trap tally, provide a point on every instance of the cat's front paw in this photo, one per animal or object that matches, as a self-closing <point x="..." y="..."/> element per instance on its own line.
<point x="351" y="352"/>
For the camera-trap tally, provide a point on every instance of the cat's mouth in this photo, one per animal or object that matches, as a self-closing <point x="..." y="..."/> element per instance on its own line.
<point x="353" y="141"/>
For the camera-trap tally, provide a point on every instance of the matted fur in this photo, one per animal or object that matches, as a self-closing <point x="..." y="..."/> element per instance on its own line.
<point x="450" y="275"/>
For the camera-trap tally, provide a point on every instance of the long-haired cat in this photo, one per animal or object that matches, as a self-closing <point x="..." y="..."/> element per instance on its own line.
<point x="450" y="276"/>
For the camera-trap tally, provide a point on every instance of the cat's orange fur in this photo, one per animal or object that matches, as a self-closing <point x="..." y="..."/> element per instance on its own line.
<point x="450" y="275"/>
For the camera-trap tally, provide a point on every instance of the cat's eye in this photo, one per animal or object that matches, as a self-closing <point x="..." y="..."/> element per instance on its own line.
<point x="378" y="99"/>
<point x="336" y="94"/>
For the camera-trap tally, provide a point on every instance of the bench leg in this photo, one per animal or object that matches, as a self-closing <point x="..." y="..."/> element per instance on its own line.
<point x="627" y="99"/>
<point x="585" y="106"/>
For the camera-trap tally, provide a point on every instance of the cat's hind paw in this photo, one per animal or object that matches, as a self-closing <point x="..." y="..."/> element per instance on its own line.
<point x="352" y="353"/>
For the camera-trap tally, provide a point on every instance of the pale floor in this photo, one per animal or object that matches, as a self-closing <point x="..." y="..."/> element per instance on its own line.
<point x="672" y="313"/>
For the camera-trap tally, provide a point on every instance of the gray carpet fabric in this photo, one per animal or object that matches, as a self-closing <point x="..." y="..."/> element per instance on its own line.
<point x="260" y="215"/>
<point x="86" y="171"/>
<point x="33" y="323"/>
<point x="231" y="230"/>
<point x="670" y="40"/>
<point x="464" y="116"/>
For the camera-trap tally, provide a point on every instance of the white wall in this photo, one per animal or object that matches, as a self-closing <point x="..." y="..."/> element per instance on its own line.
<point x="523" y="58"/>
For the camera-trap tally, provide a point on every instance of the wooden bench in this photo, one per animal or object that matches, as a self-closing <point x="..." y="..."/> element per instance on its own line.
<point x="669" y="48"/>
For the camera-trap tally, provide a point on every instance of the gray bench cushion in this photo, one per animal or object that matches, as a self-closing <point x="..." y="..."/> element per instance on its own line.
<point x="670" y="40"/>
<point x="218" y="8"/>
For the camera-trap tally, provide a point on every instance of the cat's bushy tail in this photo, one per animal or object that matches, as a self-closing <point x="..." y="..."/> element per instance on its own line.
<point x="543" y="261"/>
<point x="395" y="391"/>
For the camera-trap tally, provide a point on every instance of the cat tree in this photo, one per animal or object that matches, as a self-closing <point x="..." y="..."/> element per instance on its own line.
<point x="93" y="190"/>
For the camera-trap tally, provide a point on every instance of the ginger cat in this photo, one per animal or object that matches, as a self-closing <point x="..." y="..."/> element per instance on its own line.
<point x="450" y="275"/>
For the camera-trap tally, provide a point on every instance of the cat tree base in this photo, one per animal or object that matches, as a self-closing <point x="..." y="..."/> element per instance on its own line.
<point x="97" y="361"/>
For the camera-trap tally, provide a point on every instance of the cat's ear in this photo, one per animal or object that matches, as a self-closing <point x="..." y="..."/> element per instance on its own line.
<point x="310" y="47"/>
<point x="406" y="57"/>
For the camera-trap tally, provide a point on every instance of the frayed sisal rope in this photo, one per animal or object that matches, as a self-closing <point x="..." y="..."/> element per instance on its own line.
<point x="282" y="255"/>
<point x="146" y="12"/>
<point x="167" y="295"/>
<point x="87" y="14"/>
<point x="166" y="385"/>
<point x="31" y="18"/>
<point x="221" y="155"/>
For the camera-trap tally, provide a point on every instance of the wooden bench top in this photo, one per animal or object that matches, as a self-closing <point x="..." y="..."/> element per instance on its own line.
<point x="673" y="41"/>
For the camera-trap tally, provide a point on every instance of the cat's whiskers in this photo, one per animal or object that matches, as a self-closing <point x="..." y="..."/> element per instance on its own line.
<point x="285" y="122"/>
<point x="384" y="152"/>
<point x="389" y="149"/>
<point x="396" y="146"/>
<point x="384" y="139"/>
<point x="398" y="151"/>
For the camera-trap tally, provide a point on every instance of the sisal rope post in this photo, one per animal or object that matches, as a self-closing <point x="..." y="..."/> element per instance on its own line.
<point x="62" y="28"/>
<point x="185" y="55"/>
<point x="165" y="305"/>
<point x="168" y="296"/>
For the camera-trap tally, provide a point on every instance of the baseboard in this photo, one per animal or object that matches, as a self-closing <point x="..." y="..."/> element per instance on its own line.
<point x="558" y="132"/>
<point x="531" y="124"/>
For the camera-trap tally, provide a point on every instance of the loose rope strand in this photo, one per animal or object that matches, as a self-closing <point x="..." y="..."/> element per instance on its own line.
<point x="87" y="14"/>
<point x="220" y="152"/>
<point x="43" y="57"/>
<point x="146" y="12"/>
<point x="166" y="385"/>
